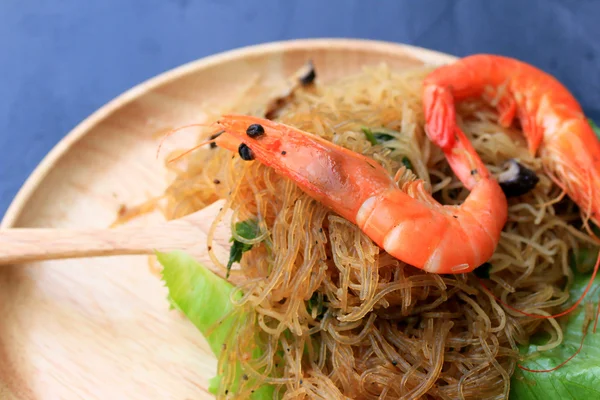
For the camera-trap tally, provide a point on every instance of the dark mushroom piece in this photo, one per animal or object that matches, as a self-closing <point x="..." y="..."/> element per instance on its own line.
<point x="517" y="179"/>
<point x="307" y="74"/>
<point x="304" y="77"/>
<point x="277" y="104"/>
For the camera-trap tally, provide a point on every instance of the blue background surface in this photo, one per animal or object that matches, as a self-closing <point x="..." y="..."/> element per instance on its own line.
<point x="60" y="60"/>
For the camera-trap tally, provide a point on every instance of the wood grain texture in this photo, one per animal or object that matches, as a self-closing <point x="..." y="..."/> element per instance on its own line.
<point x="101" y="328"/>
<point x="190" y="234"/>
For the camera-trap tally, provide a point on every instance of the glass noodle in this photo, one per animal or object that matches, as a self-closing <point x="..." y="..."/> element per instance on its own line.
<point x="336" y="316"/>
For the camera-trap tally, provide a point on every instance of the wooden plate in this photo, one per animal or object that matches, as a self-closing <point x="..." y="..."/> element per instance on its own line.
<point x="101" y="328"/>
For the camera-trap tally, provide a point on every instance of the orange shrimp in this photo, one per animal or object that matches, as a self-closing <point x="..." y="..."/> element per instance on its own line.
<point x="405" y="221"/>
<point x="552" y="121"/>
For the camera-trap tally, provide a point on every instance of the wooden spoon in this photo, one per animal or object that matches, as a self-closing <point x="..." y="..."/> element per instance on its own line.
<point x="21" y="245"/>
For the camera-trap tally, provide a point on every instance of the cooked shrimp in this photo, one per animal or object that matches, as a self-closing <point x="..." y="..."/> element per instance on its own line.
<point x="551" y="119"/>
<point x="405" y="221"/>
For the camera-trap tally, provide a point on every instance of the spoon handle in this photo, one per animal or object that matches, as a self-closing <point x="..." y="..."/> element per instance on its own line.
<point x="21" y="245"/>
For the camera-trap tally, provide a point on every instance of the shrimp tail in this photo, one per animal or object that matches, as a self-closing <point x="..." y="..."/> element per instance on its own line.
<point x="442" y="129"/>
<point x="440" y="121"/>
<point x="550" y="118"/>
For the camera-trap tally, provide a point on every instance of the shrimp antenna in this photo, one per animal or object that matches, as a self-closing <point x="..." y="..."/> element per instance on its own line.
<point x="562" y="364"/>
<point x="209" y="140"/>
<point x="586" y="325"/>
<point x="560" y="314"/>
<point x="585" y="292"/>
<point x="175" y="130"/>
<point x="565" y="312"/>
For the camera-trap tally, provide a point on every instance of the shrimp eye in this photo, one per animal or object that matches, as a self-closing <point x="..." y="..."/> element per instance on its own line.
<point x="255" y="130"/>
<point x="517" y="179"/>
<point x="245" y="152"/>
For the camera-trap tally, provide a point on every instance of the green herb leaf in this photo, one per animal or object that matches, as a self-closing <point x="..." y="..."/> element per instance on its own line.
<point x="369" y="135"/>
<point x="595" y="128"/>
<point x="381" y="135"/>
<point x="248" y="230"/>
<point x="235" y="253"/>
<point x="205" y="299"/>
<point x="406" y="162"/>
<point x="317" y="303"/>
<point x="483" y="271"/>
<point x="580" y="377"/>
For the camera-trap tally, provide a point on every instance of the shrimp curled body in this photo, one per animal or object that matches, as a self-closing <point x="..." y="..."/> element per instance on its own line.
<point x="407" y="222"/>
<point x="551" y="119"/>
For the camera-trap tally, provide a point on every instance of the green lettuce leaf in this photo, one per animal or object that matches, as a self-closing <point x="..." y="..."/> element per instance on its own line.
<point x="205" y="299"/>
<point x="580" y="377"/>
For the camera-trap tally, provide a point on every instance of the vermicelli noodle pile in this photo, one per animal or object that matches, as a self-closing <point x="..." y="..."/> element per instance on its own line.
<point x="336" y="316"/>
